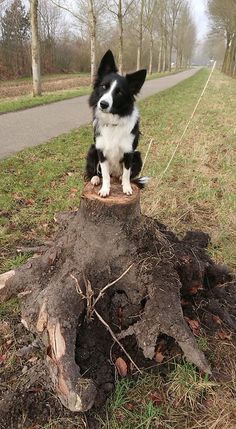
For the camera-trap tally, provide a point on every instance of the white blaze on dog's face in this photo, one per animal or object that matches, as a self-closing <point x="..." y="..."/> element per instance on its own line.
<point x="106" y="101"/>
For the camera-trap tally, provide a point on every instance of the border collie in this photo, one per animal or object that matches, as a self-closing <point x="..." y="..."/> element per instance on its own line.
<point x="116" y="128"/>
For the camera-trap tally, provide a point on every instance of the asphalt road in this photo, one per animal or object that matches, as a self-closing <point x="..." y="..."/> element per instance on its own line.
<point x="32" y="127"/>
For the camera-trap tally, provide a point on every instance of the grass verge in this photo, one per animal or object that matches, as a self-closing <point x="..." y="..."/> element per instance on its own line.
<point x="197" y="192"/>
<point x="27" y="101"/>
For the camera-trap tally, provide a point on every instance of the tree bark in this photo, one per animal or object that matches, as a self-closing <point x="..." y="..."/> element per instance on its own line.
<point x="232" y="56"/>
<point x="226" y="55"/>
<point x="150" y="55"/>
<point x="35" y="48"/>
<point x="121" y="37"/>
<point x="140" y="37"/>
<point x="93" y="36"/>
<point x="160" y="57"/>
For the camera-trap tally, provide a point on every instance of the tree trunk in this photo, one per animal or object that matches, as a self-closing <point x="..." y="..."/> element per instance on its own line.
<point x="121" y="37"/>
<point x="150" y="55"/>
<point x="232" y="56"/>
<point x="226" y="55"/>
<point x="35" y="48"/>
<point x="93" y="34"/>
<point x="140" y="38"/>
<point x="170" y="51"/>
<point x="160" y="57"/>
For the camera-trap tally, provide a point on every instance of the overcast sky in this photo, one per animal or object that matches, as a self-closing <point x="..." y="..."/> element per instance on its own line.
<point x="200" y="14"/>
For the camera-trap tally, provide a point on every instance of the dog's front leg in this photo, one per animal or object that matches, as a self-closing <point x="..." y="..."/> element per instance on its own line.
<point x="105" y="189"/>
<point x="127" y="162"/>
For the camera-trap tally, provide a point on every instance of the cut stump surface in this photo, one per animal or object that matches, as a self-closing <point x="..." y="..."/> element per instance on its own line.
<point x="109" y="241"/>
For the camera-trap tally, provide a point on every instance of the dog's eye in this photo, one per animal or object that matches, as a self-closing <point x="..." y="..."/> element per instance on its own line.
<point x="118" y="91"/>
<point x="105" y="86"/>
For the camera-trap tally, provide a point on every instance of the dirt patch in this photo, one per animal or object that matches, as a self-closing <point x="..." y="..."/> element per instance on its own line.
<point x="13" y="89"/>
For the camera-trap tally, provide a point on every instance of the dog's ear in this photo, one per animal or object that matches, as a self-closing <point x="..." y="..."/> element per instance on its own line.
<point x="107" y="65"/>
<point x="136" y="81"/>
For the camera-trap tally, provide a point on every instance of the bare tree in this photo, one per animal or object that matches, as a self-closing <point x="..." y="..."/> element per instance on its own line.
<point x="163" y="34"/>
<point x="223" y="15"/>
<point x="174" y="10"/>
<point x="185" y="37"/>
<point x="35" y="48"/>
<point x="119" y="9"/>
<point x="140" y="33"/>
<point x="87" y="14"/>
<point x="150" y="10"/>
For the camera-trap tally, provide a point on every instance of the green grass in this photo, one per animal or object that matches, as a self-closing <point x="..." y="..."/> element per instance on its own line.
<point x="134" y="404"/>
<point x="35" y="184"/>
<point x="152" y="402"/>
<point x="27" y="101"/>
<point x="157" y="75"/>
<point x="9" y="308"/>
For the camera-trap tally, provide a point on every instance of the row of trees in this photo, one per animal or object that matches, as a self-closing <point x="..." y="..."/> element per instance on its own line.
<point x="142" y="33"/>
<point x="223" y="17"/>
<point x="150" y="31"/>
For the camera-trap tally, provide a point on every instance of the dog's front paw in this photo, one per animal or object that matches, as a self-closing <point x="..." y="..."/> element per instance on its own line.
<point x="95" y="180"/>
<point x="127" y="189"/>
<point x="104" y="191"/>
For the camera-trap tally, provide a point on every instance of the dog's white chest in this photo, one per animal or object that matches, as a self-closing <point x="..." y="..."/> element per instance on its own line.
<point x="116" y="139"/>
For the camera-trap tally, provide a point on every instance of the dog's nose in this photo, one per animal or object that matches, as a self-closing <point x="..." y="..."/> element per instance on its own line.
<point x="104" y="104"/>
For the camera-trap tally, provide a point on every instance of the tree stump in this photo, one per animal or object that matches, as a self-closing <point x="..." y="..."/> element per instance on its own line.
<point x="140" y="267"/>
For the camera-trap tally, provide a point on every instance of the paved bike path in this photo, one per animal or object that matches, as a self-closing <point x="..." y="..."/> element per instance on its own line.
<point x="37" y="125"/>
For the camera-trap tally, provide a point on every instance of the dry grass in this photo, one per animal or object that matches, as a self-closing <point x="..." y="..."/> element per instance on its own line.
<point x="199" y="189"/>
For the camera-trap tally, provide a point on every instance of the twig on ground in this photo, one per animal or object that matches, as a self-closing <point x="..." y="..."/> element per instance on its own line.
<point x="33" y="249"/>
<point x="78" y="288"/>
<point x="116" y="339"/>
<point x="89" y="294"/>
<point x="89" y="298"/>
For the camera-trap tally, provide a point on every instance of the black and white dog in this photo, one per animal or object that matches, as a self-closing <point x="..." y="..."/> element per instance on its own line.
<point x="116" y="128"/>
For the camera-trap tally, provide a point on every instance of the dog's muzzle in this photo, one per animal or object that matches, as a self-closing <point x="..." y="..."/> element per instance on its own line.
<point x="104" y="105"/>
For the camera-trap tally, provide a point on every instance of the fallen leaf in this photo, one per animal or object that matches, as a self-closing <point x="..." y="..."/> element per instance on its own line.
<point x="194" y="325"/>
<point x="32" y="359"/>
<point x="121" y="366"/>
<point x="29" y="202"/>
<point x="216" y="319"/>
<point x="224" y="335"/>
<point x="156" y="398"/>
<point x="35" y="389"/>
<point x="159" y="357"/>
<point x="3" y="358"/>
<point x="129" y="406"/>
<point x="195" y="288"/>
<point x="184" y="302"/>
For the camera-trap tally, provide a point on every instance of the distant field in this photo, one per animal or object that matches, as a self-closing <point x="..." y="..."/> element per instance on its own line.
<point x="50" y="83"/>
<point x="17" y="94"/>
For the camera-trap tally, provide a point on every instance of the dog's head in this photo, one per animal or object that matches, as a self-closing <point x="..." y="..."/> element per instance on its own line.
<point x="112" y="92"/>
